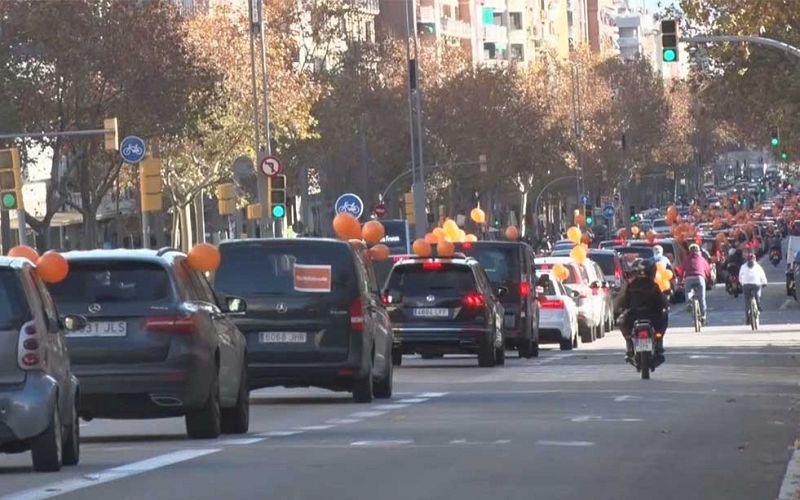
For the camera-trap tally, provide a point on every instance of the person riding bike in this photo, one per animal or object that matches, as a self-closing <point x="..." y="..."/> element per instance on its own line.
<point x="696" y="272"/>
<point x="753" y="279"/>
<point x="642" y="300"/>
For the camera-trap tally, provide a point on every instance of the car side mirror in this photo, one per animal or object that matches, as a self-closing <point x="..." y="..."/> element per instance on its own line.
<point x="574" y="294"/>
<point x="73" y="322"/>
<point x="235" y="305"/>
<point x="501" y="291"/>
<point x="605" y="285"/>
<point x="595" y="285"/>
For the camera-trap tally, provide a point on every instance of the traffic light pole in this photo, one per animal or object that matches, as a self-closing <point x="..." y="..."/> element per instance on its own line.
<point x="758" y="40"/>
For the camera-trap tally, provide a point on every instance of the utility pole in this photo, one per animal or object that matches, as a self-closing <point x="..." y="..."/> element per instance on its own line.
<point x="415" y="121"/>
<point x="255" y="21"/>
<point x="266" y="216"/>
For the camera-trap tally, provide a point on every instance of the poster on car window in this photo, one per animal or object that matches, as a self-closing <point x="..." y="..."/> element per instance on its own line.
<point x="312" y="279"/>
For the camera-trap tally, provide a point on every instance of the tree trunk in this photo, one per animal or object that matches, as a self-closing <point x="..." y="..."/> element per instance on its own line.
<point x="89" y="228"/>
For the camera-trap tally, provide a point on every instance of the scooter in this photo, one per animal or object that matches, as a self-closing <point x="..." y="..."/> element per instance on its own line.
<point x="644" y="347"/>
<point x="775" y="257"/>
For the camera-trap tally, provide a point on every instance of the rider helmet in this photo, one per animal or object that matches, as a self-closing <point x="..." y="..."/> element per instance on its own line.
<point x="694" y="248"/>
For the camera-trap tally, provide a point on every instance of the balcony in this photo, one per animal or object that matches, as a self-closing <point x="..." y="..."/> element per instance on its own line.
<point x="426" y="15"/>
<point x="495" y="33"/>
<point x="368" y="6"/>
<point x="454" y="27"/>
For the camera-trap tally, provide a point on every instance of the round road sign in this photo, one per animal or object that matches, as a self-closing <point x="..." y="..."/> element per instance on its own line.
<point x="132" y="149"/>
<point x="270" y="166"/>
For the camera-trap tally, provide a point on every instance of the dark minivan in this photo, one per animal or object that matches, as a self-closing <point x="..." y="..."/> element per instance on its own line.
<point x="314" y="315"/>
<point x="510" y="265"/>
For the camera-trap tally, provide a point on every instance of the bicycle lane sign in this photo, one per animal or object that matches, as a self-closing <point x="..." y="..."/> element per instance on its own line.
<point x="132" y="149"/>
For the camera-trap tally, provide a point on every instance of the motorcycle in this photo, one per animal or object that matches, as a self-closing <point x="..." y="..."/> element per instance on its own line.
<point x="775" y="257"/>
<point x="644" y="348"/>
<point x="732" y="285"/>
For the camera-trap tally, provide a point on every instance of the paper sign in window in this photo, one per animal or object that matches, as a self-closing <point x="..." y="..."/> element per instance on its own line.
<point x="313" y="279"/>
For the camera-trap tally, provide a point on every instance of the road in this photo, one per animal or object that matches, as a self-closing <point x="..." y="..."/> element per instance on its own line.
<point x="718" y="420"/>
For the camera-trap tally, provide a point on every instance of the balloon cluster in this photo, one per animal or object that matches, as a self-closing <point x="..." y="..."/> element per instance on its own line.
<point x="580" y="251"/>
<point x="561" y="272"/>
<point x="51" y="267"/>
<point x="663" y="276"/>
<point x="371" y="233"/>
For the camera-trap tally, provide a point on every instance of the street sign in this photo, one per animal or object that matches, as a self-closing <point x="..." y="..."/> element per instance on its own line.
<point x="349" y="203"/>
<point x="132" y="149"/>
<point x="609" y="211"/>
<point x="584" y="199"/>
<point x="271" y="166"/>
<point x="380" y="209"/>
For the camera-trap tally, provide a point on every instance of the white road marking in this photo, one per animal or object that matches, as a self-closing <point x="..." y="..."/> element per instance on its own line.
<point x="279" y="433"/>
<point x="431" y="394"/>
<point x="239" y="442"/>
<point x="502" y="441"/>
<point x="596" y="418"/>
<point x="786" y="304"/>
<point x="789" y="486"/>
<point x="108" y="475"/>
<point x="412" y="400"/>
<point x="390" y="407"/>
<point x="343" y="421"/>
<point x="626" y="397"/>
<point x="566" y="443"/>
<point x="384" y="442"/>
<point x="367" y="414"/>
<point x="315" y="428"/>
<point x="703" y="356"/>
<point x="555" y="357"/>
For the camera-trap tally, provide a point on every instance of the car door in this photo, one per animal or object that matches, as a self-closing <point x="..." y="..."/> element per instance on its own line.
<point x="377" y="316"/>
<point x="486" y="288"/>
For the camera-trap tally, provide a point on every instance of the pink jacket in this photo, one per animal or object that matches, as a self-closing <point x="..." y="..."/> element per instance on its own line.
<point x="696" y="265"/>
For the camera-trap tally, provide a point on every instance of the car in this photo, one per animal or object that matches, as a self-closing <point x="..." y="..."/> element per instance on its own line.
<point x="444" y="306"/>
<point x="39" y="394"/>
<point x="610" y="263"/>
<point x="563" y="244"/>
<point x="662" y="227"/>
<point x="602" y="289"/>
<point x="628" y="255"/>
<point x="158" y="342"/>
<point x="510" y="265"/>
<point x="591" y="314"/>
<point x="314" y="316"/>
<point x="558" y="316"/>
<point x="676" y="253"/>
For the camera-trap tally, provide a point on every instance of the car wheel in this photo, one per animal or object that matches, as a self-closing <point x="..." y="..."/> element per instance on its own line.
<point x="586" y="333"/>
<point x="72" y="445"/>
<point x="500" y="356"/>
<point x="525" y="348"/>
<point x="46" y="448"/>
<point x="363" y="389"/>
<point x="535" y="350"/>
<point x="575" y="342"/>
<point x="565" y="344"/>
<point x="206" y="423"/>
<point x="236" y="420"/>
<point x="397" y="357"/>
<point x="383" y="387"/>
<point x="486" y="356"/>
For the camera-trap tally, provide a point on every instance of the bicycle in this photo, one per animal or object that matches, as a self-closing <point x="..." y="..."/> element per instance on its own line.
<point x="754" y="313"/>
<point x="695" y="305"/>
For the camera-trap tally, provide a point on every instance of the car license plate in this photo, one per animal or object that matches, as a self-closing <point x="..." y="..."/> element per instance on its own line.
<point x="282" y="337"/>
<point x="102" y="329"/>
<point x="431" y="312"/>
<point x="644" y="345"/>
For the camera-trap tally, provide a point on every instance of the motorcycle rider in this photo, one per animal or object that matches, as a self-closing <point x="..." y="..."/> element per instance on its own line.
<point x="642" y="300"/>
<point x="696" y="272"/>
<point x="753" y="279"/>
<point x="733" y="265"/>
<point x="658" y="256"/>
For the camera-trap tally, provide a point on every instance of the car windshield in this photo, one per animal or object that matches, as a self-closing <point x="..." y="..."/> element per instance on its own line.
<point x="607" y="262"/>
<point x="421" y="279"/>
<point x="574" y="277"/>
<point x="499" y="262"/>
<point x="100" y="282"/>
<point x="13" y="306"/>
<point x="629" y="254"/>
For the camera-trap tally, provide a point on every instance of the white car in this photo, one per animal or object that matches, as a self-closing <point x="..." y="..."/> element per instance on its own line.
<point x="558" y="313"/>
<point x="662" y="227"/>
<point x="590" y="304"/>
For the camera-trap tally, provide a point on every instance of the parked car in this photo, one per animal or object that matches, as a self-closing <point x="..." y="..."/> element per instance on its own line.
<point x="38" y="391"/>
<point x="599" y="290"/>
<point x="444" y="306"/>
<point x="662" y="227"/>
<point x="558" y="317"/>
<point x="563" y="244"/>
<point x="510" y="265"/>
<point x="610" y="263"/>
<point x="590" y="305"/>
<point x="158" y="343"/>
<point x="314" y="315"/>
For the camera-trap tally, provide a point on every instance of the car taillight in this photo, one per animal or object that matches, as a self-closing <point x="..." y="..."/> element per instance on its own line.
<point x="386" y="299"/>
<point x="618" y="273"/>
<point x="595" y="291"/>
<point x="30" y="359"/>
<point x="183" y="325"/>
<point x="357" y="315"/>
<point x="432" y="266"/>
<point x="524" y="289"/>
<point x="28" y="355"/>
<point x="467" y="246"/>
<point x="551" y="304"/>
<point x="474" y="300"/>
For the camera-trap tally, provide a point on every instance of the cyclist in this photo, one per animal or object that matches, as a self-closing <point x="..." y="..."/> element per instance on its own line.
<point x="642" y="299"/>
<point x="753" y="279"/>
<point x="696" y="272"/>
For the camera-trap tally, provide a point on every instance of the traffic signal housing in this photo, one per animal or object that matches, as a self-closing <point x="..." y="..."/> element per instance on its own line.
<point x="226" y="198"/>
<point x="775" y="139"/>
<point x="589" y="212"/>
<point x="632" y="216"/>
<point x="408" y="202"/>
<point x="669" y="40"/>
<point x="10" y="180"/>
<point x="110" y="134"/>
<point x="150" y="184"/>
<point x="277" y="196"/>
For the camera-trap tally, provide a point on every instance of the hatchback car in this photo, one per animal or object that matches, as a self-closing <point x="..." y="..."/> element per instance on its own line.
<point x="611" y="265"/>
<point x="558" y="319"/>
<point x="509" y="265"/>
<point x="314" y="315"/>
<point x="446" y="306"/>
<point x="39" y="395"/>
<point x="591" y="307"/>
<point x="157" y="344"/>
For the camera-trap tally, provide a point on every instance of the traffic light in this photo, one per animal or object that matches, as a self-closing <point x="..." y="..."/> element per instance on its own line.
<point x="110" y="134"/>
<point x="589" y="215"/>
<point x="669" y="40"/>
<point x="277" y="196"/>
<point x="784" y="155"/>
<point x="10" y="180"/>
<point x="226" y="198"/>
<point x="254" y="211"/>
<point x="775" y="138"/>
<point x="632" y="216"/>
<point x="408" y="201"/>
<point x="150" y="184"/>
<point x="482" y="164"/>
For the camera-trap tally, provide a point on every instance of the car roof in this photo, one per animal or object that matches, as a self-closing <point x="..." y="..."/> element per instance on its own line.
<point x="162" y="256"/>
<point x="553" y="260"/>
<point x="602" y="251"/>
<point x="14" y="262"/>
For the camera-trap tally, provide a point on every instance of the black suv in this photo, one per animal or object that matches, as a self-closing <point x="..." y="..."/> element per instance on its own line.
<point x="445" y="306"/>
<point x="314" y="315"/>
<point x="510" y="265"/>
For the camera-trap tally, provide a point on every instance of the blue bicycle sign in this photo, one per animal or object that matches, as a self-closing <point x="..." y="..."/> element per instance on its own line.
<point x="349" y="203"/>
<point x="132" y="149"/>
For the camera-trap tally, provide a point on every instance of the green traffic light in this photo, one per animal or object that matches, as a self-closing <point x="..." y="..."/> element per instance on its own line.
<point x="670" y="55"/>
<point x="9" y="200"/>
<point x="589" y="221"/>
<point x="784" y="156"/>
<point x="278" y="211"/>
<point x="774" y="141"/>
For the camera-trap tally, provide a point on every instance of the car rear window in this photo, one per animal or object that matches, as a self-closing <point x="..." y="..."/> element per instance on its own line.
<point x="13" y="306"/>
<point x="629" y="254"/>
<point x="501" y="263"/>
<point x="573" y="273"/>
<point x="414" y="279"/>
<point x="607" y="262"/>
<point x="286" y="269"/>
<point x="103" y="282"/>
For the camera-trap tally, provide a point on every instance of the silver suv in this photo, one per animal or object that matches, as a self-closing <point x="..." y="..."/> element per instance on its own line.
<point x="38" y="392"/>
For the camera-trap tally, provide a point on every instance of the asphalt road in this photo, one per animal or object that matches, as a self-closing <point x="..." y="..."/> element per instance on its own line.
<point x="718" y="420"/>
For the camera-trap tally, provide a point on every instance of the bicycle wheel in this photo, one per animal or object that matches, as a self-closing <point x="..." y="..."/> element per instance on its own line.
<point x="753" y="314"/>
<point x="696" y="315"/>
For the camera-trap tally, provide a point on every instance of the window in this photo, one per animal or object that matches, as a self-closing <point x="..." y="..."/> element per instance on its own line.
<point x="414" y="280"/>
<point x="13" y="304"/>
<point x="515" y="19"/>
<point x="113" y="282"/>
<point x="50" y="313"/>
<point x="517" y="52"/>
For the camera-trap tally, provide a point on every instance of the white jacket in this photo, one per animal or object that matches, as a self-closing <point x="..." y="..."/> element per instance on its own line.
<point x="752" y="275"/>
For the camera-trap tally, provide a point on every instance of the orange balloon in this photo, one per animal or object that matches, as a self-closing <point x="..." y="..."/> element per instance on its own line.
<point x="204" y="257"/>
<point x="512" y="233"/>
<point x="580" y="220"/>
<point x="578" y="254"/>
<point x="52" y="267"/>
<point x="24" y="251"/>
<point x="421" y="248"/>
<point x="347" y="227"/>
<point x="560" y="271"/>
<point x="373" y="232"/>
<point x="478" y="216"/>
<point x="623" y="233"/>
<point x="672" y="212"/>
<point x="635" y="230"/>
<point x="471" y="238"/>
<point x="445" y="249"/>
<point x="379" y="252"/>
<point x="431" y="238"/>
<point x="574" y="235"/>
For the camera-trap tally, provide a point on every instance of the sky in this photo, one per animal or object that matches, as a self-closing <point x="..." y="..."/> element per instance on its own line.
<point x="652" y="5"/>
